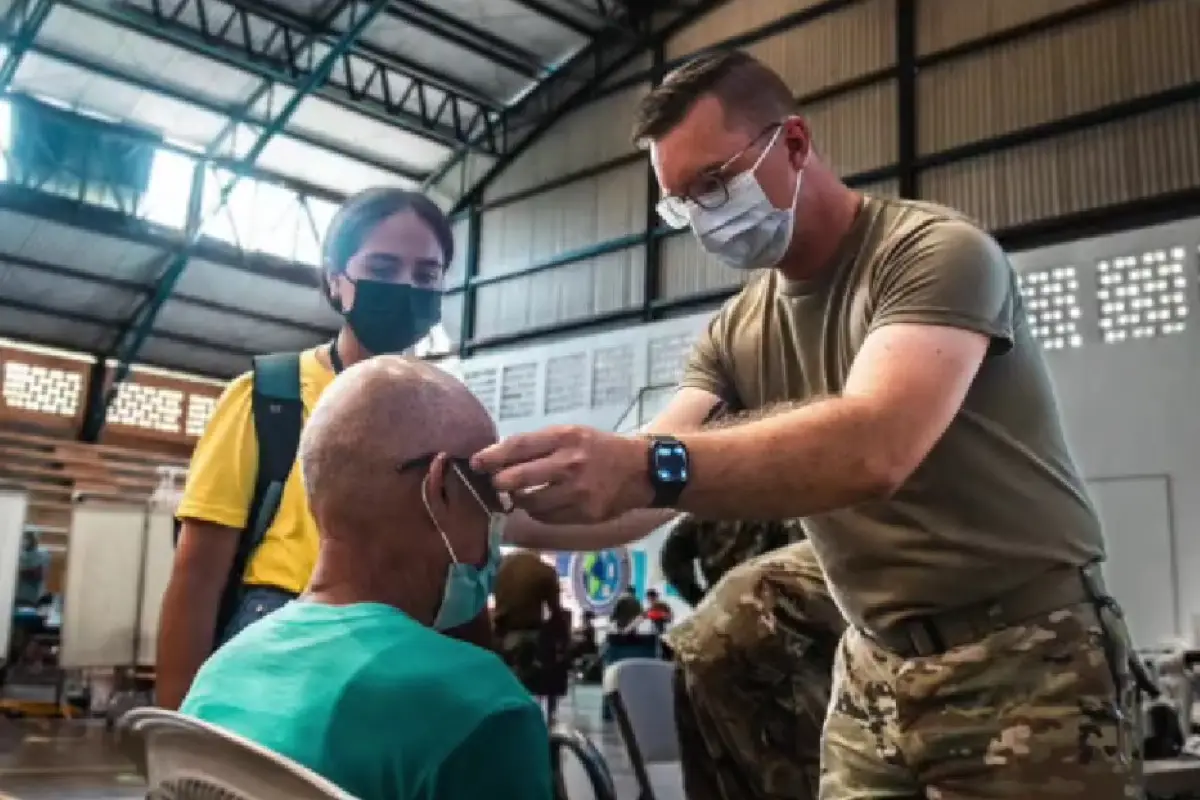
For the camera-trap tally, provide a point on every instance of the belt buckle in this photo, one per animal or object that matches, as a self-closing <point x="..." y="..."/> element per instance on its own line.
<point x="925" y="637"/>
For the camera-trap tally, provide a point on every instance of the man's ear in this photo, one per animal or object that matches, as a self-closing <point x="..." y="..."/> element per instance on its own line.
<point x="798" y="140"/>
<point x="436" y="478"/>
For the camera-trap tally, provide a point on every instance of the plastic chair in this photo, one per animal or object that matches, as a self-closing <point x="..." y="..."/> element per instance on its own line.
<point x="641" y="693"/>
<point x="185" y="759"/>
<point x="580" y="772"/>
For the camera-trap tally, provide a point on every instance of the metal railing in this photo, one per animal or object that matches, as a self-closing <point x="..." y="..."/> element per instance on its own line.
<point x="638" y="403"/>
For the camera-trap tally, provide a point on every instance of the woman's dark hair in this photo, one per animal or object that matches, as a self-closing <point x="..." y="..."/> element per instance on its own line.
<point x="360" y="215"/>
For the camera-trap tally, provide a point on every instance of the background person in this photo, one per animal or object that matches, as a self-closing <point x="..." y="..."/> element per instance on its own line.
<point x="532" y="629"/>
<point x="658" y="612"/>
<point x="627" y="611"/>
<point x="697" y="553"/>
<point x="32" y="568"/>
<point x="754" y="672"/>
<point x="385" y="257"/>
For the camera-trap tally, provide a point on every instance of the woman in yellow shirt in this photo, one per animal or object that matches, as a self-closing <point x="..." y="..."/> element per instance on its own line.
<point x="385" y="257"/>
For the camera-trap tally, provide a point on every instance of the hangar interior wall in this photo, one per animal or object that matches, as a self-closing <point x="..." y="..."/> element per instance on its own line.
<point x="1050" y="121"/>
<point x="985" y="106"/>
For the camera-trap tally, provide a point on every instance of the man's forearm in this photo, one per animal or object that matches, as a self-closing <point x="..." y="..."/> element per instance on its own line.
<point x="817" y="458"/>
<point x="524" y="531"/>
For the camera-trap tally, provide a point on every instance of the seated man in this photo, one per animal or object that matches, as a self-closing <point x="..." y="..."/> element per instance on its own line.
<point x="755" y="664"/>
<point x="354" y="679"/>
<point x="626" y="611"/>
<point x="658" y="611"/>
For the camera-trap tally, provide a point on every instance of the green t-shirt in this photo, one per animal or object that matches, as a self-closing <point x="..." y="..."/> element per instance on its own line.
<point x="379" y="704"/>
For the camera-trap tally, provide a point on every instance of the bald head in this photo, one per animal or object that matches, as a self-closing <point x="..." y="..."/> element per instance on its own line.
<point x="378" y="415"/>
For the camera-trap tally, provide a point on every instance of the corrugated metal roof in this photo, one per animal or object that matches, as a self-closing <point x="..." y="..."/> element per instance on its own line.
<point x="423" y="83"/>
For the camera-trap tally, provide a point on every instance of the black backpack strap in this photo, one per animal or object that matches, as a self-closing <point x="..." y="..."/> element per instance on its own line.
<point x="278" y="419"/>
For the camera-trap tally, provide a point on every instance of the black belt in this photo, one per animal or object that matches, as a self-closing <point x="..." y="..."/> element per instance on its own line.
<point x="935" y="634"/>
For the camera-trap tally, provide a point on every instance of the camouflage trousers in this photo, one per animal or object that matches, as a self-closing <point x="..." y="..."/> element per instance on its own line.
<point x="754" y="667"/>
<point x="1039" y="710"/>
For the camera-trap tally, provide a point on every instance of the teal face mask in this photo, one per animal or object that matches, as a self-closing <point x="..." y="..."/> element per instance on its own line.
<point x="467" y="586"/>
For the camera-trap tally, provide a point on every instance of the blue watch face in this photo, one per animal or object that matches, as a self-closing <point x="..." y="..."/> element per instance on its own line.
<point x="670" y="463"/>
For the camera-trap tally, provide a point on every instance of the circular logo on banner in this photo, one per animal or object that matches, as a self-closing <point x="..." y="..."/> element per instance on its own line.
<point x="599" y="579"/>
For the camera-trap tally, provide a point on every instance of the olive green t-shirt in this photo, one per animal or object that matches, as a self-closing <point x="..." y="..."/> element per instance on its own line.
<point x="999" y="500"/>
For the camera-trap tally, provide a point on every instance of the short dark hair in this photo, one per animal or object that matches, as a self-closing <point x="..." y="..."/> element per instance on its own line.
<point x="748" y="89"/>
<point x="360" y="215"/>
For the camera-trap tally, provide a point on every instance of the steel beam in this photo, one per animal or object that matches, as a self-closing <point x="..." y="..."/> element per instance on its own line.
<point x="782" y="24"/>
<point x="466" y="330"/>
<point x="21" y="26"/>
<point x="560" y="260"/>
<point x="376" y="84"/>
<point x="109" y="324"/>
<point x="906" y="98"/>
<point x="563" y="180"/>
<point x="138" y="288"/>
<point x="652" y="267"/>
<point x="93" y="396"/>
<point x="568" y="88"/>
<point x="127" y="349"/>
<point x="275" y="14"/>
<point x="1095" y="222"/>
<point x="146" y="85"/>
<point x="466" y="36"/>
<point x="558" y="17"/>
<point x="9" y="331"/>
<point x="1140" y="213"/>
<point x="300" y="187"/>
<point x="111" y="223"/>
<point x="1058" y="19"/>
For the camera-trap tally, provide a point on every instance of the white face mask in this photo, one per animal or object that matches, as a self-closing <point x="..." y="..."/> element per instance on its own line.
<point x="748" y="232"/>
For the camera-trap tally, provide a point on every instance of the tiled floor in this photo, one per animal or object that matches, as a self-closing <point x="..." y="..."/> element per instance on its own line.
<point x="41" y="760"/>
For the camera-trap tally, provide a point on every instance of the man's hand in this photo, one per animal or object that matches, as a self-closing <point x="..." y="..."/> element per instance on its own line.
<point x="570" y="474"/>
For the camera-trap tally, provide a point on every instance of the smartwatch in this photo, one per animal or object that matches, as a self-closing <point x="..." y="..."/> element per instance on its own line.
<point x="669" y="470"/>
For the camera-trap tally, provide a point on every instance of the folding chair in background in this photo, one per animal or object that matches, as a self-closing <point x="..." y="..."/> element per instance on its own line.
<point x="641" y="692"/>
<point x="580" y="772"/>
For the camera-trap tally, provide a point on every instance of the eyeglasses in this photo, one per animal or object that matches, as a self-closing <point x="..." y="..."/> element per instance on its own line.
<point x="479" y="483"/>
<point x="709" y="190"/>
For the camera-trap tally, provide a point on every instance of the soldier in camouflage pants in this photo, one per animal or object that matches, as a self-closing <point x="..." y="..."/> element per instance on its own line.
<point x="753" y="677"/>
<point x="1050" y="702"/>
<point x="716" y="548"/>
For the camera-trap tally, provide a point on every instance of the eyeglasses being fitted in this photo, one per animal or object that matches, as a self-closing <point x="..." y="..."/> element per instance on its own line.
<point x="709" y="189"/>
<point x="478" y="483"/>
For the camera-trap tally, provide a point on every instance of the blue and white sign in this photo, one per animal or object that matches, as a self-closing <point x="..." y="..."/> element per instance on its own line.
<point x="599" y="579"/>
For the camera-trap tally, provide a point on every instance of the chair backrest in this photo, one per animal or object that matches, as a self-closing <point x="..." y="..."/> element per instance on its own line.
<point x="185" y="758"/>
<point x="642" y="694"/>
<point x="580" y="772"/>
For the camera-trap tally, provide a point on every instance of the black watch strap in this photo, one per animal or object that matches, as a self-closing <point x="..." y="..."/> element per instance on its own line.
<point x="666" y="489"/>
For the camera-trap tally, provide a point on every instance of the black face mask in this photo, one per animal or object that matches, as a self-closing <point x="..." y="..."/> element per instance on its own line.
<point x="392" y="317"/>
